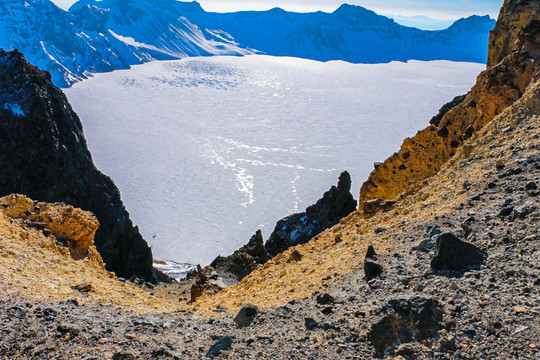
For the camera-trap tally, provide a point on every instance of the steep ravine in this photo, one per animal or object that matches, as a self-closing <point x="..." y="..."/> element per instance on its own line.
<point x="43" y="155"/>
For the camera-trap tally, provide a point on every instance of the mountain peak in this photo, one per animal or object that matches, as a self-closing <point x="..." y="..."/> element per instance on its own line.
<point x="474" y="23"/>
<point x="348" y="9"/>
<point x="192" y="6"/>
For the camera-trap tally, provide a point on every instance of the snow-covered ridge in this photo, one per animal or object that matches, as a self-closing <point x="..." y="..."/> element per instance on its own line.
<point x="89" y="39"/>
<point x="105" y="35"/>
<point x="351" y="33"/>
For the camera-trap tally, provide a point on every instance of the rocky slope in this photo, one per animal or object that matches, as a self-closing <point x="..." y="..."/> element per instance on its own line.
<point x="400" y="284"/>
<point x="47" y="254"/>
<point x="44" y="155"/>
<point x="488" y="198"/>
<point x="496" y="88"/>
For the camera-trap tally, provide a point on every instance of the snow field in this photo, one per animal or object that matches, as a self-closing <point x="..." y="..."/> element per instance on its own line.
<point x="206" y="151"/>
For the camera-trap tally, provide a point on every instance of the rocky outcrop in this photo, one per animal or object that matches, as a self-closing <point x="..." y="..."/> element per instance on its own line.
<point x="297" y="229"/>
<point x="514" y="15"/>
<point x="423" y="155"/>
<point x="43" y="155"/>
<point x="436" y="120"/>
<point x="72" y="227"/>
<point x="237" y="266"/>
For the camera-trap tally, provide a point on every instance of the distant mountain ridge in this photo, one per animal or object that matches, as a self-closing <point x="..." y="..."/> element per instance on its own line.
<point x="99" y="36"/>
<point x="351" y="33"/>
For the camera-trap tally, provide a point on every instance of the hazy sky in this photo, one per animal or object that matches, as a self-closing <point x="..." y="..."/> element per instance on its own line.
<point x="440" y="9"/>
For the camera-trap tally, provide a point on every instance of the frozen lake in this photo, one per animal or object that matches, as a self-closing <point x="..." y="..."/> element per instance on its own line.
<point x="206" y="151"/>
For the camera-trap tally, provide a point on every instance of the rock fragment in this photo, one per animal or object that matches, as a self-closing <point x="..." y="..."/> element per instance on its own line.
<point x="310" y="323"/>
<point x="371" y="267"/>
<point x="223" y="343"/>
<point x="325" y="299"/>
<point x="404" y="320"/>
<point x="295" y="256"/>
<point x="451" y="253"/>
<point x="246" y="315"/>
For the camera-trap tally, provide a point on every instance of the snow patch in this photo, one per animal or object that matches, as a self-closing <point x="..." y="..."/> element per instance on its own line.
<point x="15" y="109"/>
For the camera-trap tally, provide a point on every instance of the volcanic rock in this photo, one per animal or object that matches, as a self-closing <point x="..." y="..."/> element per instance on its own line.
<point x="436" y="120"/>
<point x="325" y="299"/>
<point x="453" y="254"/>
<point x="44" y="155"/>
<point x="514" y="15"/>
<point x="237" y="266"/>
<point x="299" y="228"/>
<point x="72" y="227"/>
<point x="223" y="343"/>
<point x="246" y="315"/>
<point x="372" y="269"/>
<point x="404" y="320"/>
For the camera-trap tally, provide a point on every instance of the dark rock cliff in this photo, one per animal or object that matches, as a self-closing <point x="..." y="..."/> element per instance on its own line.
<point x="235" y="267"/>
<point x="299" y="228"/>
<point x="43" y="154"/>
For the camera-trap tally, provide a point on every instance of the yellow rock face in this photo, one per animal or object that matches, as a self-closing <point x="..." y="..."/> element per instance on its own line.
<point x="421" y="156"/>
<point x="513" y="16"/>
<point x="74" y="227"/>
<point x="47" y="255"/>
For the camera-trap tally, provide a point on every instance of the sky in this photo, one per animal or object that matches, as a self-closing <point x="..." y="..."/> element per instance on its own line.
<point x="437" y="9"/>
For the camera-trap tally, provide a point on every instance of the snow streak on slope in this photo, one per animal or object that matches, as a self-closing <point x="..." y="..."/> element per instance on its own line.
<point x="207" y="150"/>
<point x="89" y="39"/>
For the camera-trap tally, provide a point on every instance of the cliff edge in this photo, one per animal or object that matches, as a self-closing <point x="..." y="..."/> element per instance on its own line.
<point x="503" y="83"/>
<point x="43" y="154"/>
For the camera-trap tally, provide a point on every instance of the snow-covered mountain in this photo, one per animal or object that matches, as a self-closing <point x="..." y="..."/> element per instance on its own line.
<point x="104" y="35"/>
<point x="156" y="25"/>
<point x="350" y="33"/>
<point x="70" y="45"/>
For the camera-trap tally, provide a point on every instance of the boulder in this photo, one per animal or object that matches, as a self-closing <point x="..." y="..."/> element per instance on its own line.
<point x="371" y="267"/>
<point x="405" y="320"/>
<point x="223" y="343"/>
<point x="325" y="299"/>
<point x="451" y="253"/>
<point x="246" y="315"/>
<point x="311" y="324"/>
